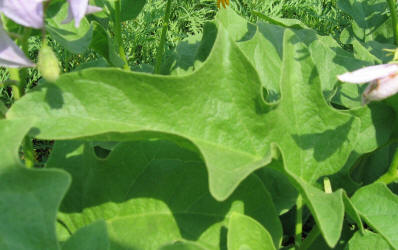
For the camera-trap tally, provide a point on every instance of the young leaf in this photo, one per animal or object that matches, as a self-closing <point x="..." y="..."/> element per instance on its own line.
<point x="379" y="208"/>
<point x="246" y="233"/>
<point x="368" y="240"/>
<point x="328" y="211"/>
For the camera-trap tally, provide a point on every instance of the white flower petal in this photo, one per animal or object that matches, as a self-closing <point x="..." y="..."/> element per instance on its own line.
<point x="381" y="89"/>
<point x="369" y="74"/>
<point x="93" y="9"/>
<point x="78" y="9"/>
<point x="10" y="54"/>
<point x="28" y="13"/>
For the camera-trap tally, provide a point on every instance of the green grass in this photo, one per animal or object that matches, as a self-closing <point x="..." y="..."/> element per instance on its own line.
<point x="141" y="36"/>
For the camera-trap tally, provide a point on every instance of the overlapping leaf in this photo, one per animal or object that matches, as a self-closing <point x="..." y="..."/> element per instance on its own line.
<point x="371" y="29"/>
<point x="28" y="198"/>
<point x="93" y="236"/>
<point x="381" y="212"/>
<point x="152" y="194"/>
<point x="369" y="17"/>
<point x="325" y="52"/>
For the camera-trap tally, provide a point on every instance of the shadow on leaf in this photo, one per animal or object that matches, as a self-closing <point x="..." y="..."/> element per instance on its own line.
<point x="153" y="188"/>
<point x="326" y="143"/>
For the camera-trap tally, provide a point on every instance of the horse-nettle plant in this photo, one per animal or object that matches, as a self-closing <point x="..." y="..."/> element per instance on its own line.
<point x="246" y="140"/>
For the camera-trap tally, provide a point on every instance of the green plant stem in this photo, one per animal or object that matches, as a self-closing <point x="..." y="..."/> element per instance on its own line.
<point x="118" y="34"/>
<point x="392" y="172"/>
<point x="23" y="73"/>
<point x="43" y="29"/>
<point x="299" y="221"/>
<point x="14" y="77"/>
<point x="15" y="92"/>
<point x="327" y="185"/>
<point x="311" y="237"/>
<point x="394" y="17"/>
<point x="160" y="52"/>
<point x="29" y="153"/>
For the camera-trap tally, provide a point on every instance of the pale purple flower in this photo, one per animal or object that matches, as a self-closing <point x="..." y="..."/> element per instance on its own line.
<point x="383" y="81"/>
<point x="28" y="13"/>
<point x="78" y="9"/>
<point x="10" y="54"/>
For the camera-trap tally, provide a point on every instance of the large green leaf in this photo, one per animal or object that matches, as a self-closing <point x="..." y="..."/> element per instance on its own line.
<point x="230" y="152"/>
<point x="233" y="129"/>
<point x="153" y="193"/>
<point x="379" y="208"/>
<point x="75" y="40"/>
<point x="28" y="198"/>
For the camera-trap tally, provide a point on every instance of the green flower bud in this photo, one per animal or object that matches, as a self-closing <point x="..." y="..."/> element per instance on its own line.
<point x="48" y="65"/>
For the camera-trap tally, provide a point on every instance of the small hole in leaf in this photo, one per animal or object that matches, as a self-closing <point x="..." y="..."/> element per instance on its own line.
<point x="100" y="152"/>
